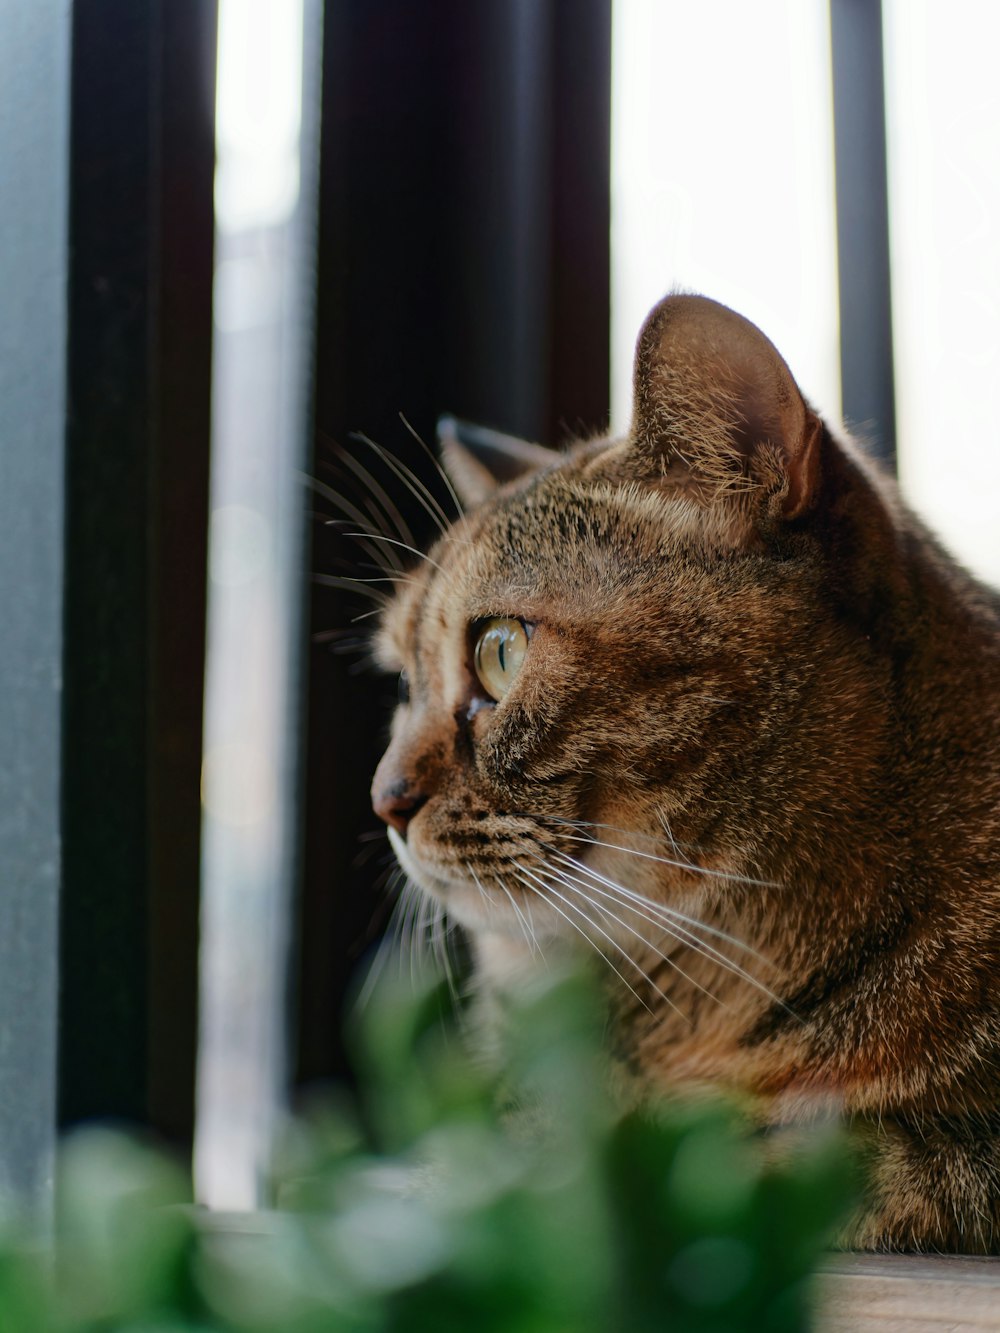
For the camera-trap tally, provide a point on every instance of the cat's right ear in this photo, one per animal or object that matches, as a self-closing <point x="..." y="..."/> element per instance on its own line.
<point x="478" y="460"/>
<point x="718" y="412"/>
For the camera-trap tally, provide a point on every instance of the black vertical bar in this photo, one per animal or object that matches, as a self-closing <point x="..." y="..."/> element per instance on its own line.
<point x="34" y="68"/>
<point x="183" y="233"/>
<point x="463" y="266"/>
<point x="580" y="299"/>
<point x="103" y="955"/>
<point x="141" y="227"/>
<point x="866" y="353"/>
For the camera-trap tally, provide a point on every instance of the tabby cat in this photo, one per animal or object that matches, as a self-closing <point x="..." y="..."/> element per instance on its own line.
<point x="710" y="698"/>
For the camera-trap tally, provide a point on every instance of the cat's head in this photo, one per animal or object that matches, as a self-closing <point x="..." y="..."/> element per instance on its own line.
<point x="614" y="667"/>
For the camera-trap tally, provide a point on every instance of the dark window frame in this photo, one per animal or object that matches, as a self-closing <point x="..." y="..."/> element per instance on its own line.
<point x="137" y="447"/>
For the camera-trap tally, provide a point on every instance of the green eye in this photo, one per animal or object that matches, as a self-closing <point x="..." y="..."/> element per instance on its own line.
<point x="499" y="652"/>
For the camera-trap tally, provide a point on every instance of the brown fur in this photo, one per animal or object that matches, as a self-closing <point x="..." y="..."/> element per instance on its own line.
<point x="756" y="677"/>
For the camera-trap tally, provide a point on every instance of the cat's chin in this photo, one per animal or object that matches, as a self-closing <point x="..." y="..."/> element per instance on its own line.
<point x="469" y="904"/>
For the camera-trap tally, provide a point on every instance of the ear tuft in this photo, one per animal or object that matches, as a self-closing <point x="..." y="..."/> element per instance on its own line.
<point x="717" y="408"/>
<point x="479" y="461"/>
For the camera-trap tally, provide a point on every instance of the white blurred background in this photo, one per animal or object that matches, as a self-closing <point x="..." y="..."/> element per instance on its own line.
<point x="723" y="182"/>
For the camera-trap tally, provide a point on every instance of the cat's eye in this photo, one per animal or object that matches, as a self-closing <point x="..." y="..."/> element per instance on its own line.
<point x="403" y="688"/>
<point x="499" y="651"/>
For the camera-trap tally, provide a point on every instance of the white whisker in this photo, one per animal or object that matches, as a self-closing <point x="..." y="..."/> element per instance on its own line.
<point x="662" y="910"/>
<point x="725" y="875"/>
<point x="527" y="929"/>
<point x="551" y="891"/>
<point x="701" y="945"/>
<point x="355" y="515"/>
<point x="459" y="508"/>
<point x="390" y="509"/>
<point x="377" y="537"/>
<point x="336" y="580"/>
<point x="585" y="890"/>
<point x="610" y="828"/>
<point x="580" y="931"/>
<point x="411" y="481"/>
<point x="389" y="944"/>
<point x="385" y="947"/>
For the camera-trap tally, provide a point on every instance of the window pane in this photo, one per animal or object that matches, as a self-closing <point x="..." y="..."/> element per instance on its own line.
<point x="265" y="200"/>
<point x="722" y="175"/>
<point x="943" y="114"/>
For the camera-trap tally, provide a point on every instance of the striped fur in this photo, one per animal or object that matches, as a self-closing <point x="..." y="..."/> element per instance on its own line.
<point x="752" y="758"/>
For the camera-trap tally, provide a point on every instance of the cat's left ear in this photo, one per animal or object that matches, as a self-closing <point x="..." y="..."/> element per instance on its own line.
<point x="479" y="460"/>
<point x="717" y="409"/>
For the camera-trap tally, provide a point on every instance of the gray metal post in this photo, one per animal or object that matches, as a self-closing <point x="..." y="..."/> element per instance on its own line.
<point x="34" y="86"/>
<point x="866" y="358"/>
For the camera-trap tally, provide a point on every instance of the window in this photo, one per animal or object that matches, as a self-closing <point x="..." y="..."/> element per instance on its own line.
<point x="461" y="262"/>
<point x="723" y="176"/>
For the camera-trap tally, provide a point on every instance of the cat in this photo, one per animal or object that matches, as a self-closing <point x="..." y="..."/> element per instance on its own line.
<point x="712" y="699"/>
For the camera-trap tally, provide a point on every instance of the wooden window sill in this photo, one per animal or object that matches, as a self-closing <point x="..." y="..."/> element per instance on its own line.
<point x="879" y="1293"/>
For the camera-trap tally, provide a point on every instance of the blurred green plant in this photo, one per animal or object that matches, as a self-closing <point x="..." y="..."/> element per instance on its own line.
<point x="443" y="1203"/>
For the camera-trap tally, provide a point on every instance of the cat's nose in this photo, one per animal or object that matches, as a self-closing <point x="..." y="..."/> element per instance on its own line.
<point x="397" y="803"/>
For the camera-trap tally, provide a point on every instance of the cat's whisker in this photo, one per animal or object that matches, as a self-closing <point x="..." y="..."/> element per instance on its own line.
<point x="727" y="876"/>
<point x="413" y="918"/>
<point x="378" y="596"/>
<point x="585" y="890"/>
<point x="359" y="519"/>
<point x="353" y="585"/>
<point x="385" y="949"/>
<point x="435" y="938"/>
<point x="369" y="848"/>
<point x="668" y="831"/>
<point x="377" y="537"/>
<point x="418" y="944"/>
<point x="550" y="889"/>
<point x="342" y="638"/>
<point x="389" y="944"/>
<point x="391" y="510"/>
<point x="411" y="481"/>
<point x="661" y="909"/>
<point x="328" y="492"/>
<point x="378" y="569"/>
<point x="532" y="935"/>
<point x="377" y="557"/>
<point x="406" y="907"/>
<point x="660" y="924"/>
<point x="337" y="580"/>
<point x="580" y="931"/>
<point x="379" y="518"/>
<point x="436" y="462"/>
<point x="699" y="945"/>
<point x="440" y="931"/>
<point x="614" y="828"/>
<point x="527" y="929"/>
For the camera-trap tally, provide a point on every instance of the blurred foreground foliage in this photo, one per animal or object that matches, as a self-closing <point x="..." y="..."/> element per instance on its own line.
<point x="425" y="1209"/>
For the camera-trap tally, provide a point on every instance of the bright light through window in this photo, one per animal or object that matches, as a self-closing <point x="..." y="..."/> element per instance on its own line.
<point x="943" y="114"/>
<point x="258" y="112"/>
<point x="723" y="175"/>
<point x="259" y="425"/>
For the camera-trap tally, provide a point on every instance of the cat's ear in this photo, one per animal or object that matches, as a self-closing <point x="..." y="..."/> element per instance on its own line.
<point x="478" y="460"/>
<point x="717" y="407"/>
